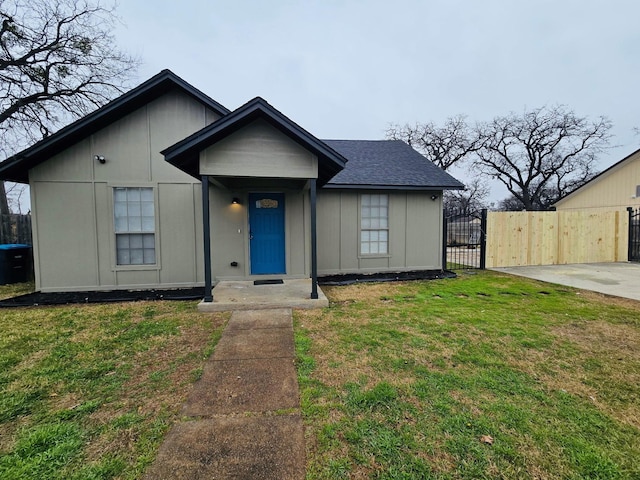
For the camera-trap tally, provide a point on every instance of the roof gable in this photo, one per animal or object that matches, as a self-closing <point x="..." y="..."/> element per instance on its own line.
<point x="632" y="157"/>
<point x="185" y="154"/>
<point x="16" y="167"/>
<point x="388" y="164"/>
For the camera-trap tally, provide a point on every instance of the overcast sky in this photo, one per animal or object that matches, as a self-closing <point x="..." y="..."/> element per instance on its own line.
<point x="346" y="69"/>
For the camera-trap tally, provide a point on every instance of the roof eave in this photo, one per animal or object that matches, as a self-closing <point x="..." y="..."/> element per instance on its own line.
<point x="185" y="152"/>
<point x="371" y="186"/>
<point x="16" y="167"/>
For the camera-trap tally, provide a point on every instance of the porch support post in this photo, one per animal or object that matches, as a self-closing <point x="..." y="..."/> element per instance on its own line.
<point x="631" y="236"/>
<point x="206" y="222"/>
<point x="314" y="241"/>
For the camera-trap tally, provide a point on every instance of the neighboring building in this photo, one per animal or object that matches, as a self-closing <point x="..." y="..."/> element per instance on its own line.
<point x="617" y="188"/>
<point x="120" y="198"/>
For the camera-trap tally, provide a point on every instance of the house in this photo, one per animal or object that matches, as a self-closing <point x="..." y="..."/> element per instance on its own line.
<point x="165" y="187"/>
<point x="616" y="188"/>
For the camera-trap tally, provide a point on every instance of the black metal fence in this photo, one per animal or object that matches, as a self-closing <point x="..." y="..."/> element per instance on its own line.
<point x="464" y="239"/>
<point x="634" y="234"/>
<point x="15" y="228"/>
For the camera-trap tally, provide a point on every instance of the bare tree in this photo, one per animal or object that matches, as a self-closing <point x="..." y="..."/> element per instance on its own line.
<point x="472" y="198"/>
<point x="542" y="154"/>
<point x="14" y="196"/>
<point x="513" y="204"/>
<point x="58" y="61"/>
<point x="510" y="204"/>
<point x="444" y="145"/>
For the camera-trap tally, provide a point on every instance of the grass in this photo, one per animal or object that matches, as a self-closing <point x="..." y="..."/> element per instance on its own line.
<point x="482" y="376"/>
<point x="15" y="289"/>
<point x="88" y="392"/>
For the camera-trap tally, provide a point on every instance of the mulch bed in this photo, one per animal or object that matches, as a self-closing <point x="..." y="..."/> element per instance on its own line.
<point x="197" y="293"/>
<point x="63" y="298"/>
<point x="349" y="279"/>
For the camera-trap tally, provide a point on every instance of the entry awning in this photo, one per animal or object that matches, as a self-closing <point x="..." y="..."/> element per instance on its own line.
<point x="185" y="154"/>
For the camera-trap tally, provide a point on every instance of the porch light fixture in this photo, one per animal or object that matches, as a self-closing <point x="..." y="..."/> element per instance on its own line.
<point x="100" y="158"/>
<point x="434" y="197"/>
<point x="235" y="201"/>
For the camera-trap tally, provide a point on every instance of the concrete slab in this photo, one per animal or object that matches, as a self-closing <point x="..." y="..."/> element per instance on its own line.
<point x="236" y="295"/>
<point x="252" y="319"/>
<point x="233" y="448"/>
<point x="242" y="423"/>
<point x="240" y="386"/>
<point x="618" y="279"/>
<point x="252" y="344"/>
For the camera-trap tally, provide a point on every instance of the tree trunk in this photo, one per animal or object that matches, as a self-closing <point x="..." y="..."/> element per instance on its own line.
<point x="4" y="204"/>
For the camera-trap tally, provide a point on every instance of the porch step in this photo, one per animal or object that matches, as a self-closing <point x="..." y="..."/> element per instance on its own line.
<point x="244" y="295"/>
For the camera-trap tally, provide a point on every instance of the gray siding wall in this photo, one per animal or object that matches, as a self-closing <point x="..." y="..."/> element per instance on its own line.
<point x="230" y="234"/>
<point x="415" y="232"/>
<point x="258" y="150"/>
<point x="72" y="201"/>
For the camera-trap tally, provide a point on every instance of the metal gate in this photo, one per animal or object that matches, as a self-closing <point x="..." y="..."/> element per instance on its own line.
<point x="634" y="234"/>
<point x="464" y="239"/>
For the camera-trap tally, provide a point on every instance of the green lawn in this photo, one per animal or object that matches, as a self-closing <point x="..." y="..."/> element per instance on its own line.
<point x="15" y="289"/>
<point x="483" y="376"/>
<point x="88" y="391"/>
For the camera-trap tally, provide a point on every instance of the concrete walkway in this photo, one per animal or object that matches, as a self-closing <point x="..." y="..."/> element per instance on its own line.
<point x="242" y="419"/>
<point x="619" y="279"/>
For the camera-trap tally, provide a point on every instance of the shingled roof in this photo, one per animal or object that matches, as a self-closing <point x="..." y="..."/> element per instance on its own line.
<point x="387" y="164"/>
<point x="379" y="164"/>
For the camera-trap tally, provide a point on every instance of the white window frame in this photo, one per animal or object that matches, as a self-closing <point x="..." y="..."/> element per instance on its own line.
<point x="127" y="226"/>
<point x="374" y="225"/>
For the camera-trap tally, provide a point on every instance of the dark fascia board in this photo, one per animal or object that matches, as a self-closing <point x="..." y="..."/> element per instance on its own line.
<point x="185" y="154"/>
<point x="612" y="167"/>
<point x="16" y="167"/>
<point x="391" y="187"/>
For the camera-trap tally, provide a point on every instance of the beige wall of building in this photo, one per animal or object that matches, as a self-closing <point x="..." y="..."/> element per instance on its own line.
<point x="72" y="201"/>
<point x="72" y="196"/>
<point x="257" y="158"/>
<point x="230" y="234"/>
<point x="415" y="232"/>
<point x="615" y="189"/>
<point x="258" y="150"/>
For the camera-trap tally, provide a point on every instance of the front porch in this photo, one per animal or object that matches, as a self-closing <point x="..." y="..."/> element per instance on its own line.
<point x="259" y="173"/>
<point x="244" y="295"/>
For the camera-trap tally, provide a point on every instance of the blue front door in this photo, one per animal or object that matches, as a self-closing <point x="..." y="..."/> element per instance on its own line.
<point x="266" y="233"/>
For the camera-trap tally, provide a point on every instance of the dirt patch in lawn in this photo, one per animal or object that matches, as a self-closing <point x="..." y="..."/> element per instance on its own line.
<point x="159" y="383"/>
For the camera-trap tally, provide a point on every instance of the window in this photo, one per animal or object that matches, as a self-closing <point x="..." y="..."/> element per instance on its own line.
<point x="134" y="220"/>
<point x="374" y="224"/>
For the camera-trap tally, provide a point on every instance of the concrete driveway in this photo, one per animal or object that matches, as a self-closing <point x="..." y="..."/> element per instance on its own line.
<point x="619" y="279"/>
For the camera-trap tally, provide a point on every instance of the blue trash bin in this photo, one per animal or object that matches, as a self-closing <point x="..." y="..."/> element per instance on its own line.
<point x="15" y="263"/>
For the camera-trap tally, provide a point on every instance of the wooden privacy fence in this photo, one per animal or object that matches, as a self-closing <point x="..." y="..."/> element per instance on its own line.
<point x="15" y="229"/>
<point x="556" y="238"/>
